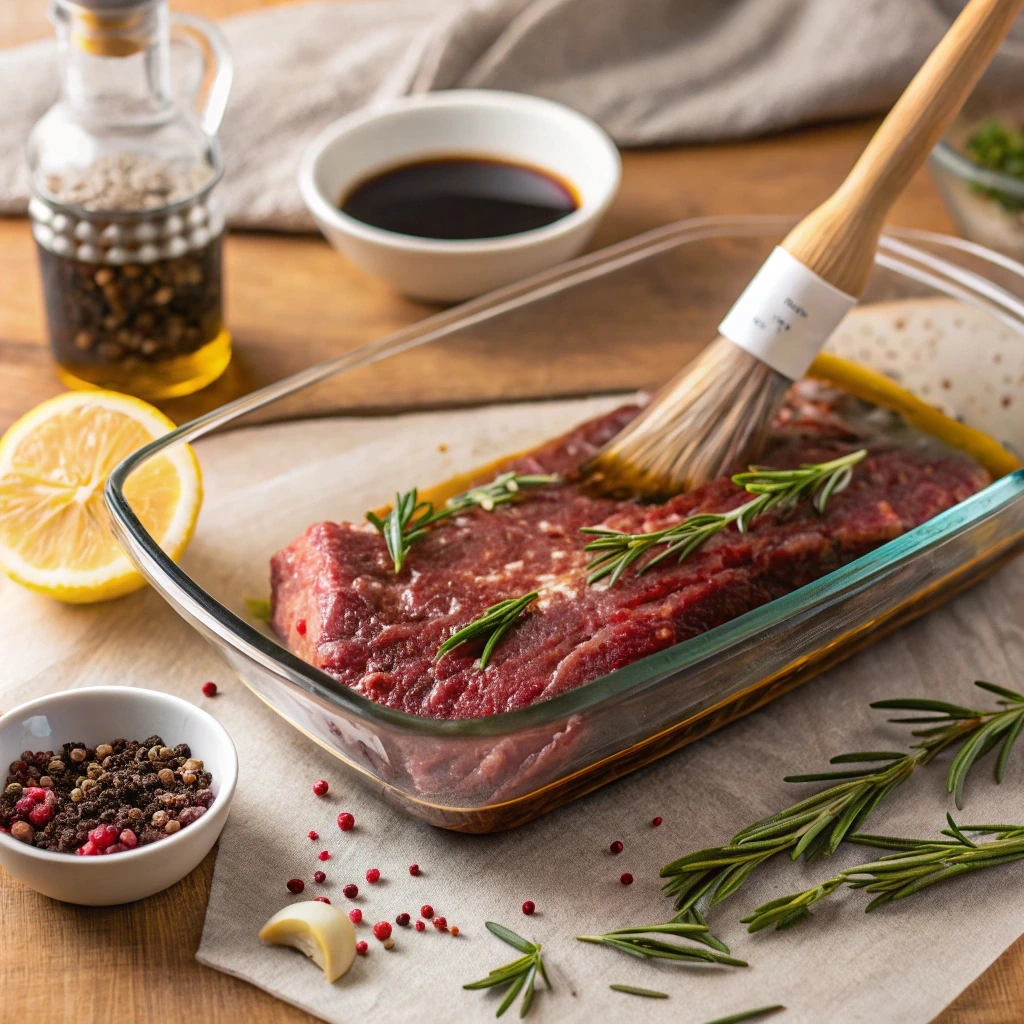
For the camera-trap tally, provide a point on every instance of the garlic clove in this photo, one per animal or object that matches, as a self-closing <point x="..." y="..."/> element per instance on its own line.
<point x="324" y="933"/>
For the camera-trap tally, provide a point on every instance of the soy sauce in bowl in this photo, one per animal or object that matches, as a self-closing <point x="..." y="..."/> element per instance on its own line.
<point x="459" y="198"/>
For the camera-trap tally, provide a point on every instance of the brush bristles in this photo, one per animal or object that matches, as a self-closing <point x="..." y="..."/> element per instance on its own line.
<point x="712" y="417"/>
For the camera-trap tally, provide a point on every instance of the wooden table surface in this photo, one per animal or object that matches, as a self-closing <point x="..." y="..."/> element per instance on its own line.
<point x="293" y="302"/>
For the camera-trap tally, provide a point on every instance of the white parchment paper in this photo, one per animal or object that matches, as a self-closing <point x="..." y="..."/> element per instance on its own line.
<point x="902" y="964"/>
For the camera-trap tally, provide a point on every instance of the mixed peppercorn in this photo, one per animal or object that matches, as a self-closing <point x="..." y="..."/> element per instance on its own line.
<point x="102" y="800"/>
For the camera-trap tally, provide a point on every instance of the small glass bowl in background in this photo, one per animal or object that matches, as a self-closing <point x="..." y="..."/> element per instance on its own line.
<point x="986" y="205"/>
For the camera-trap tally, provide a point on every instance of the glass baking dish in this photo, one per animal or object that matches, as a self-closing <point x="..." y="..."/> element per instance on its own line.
<point x="942" y="318"/>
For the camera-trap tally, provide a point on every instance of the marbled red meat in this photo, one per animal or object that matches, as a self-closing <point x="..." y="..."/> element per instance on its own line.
<point x="378" y="632"/>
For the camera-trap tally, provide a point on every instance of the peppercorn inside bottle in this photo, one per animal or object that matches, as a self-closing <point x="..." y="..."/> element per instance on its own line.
<point x="134" y="303"/>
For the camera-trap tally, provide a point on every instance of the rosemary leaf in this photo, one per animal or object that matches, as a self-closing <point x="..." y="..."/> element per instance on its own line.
<point x="258" y="609"/>
<point x="513" y="991"/>
<point x="616" y="551"/>
<point x="693" y="916"/>
<point x="493" y="624"/>
<point x="736" y="1018"/>
<point x="408" y="519"/>
<point x="524" y="1006"/>
<point x="509" y="936"/>
<point x="636" y="942"/>
<point x="632" y="990"/>
<point x="520" y="975"/>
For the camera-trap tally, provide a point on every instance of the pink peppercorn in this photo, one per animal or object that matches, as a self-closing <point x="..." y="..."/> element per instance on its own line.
<point x="421" y="926"/>
<point x="626" y="878"/>
<point x="427" y="911"/>
<point x="362" y="947"/>
<point x="656" y="822"/>
<point x="616" y="847"/>
<point x="87" y="849"/>
<point x="300" y="627"/>
<point x="321" y="899"/>
<point x="346" y="821"/>
<point x="441" y="924"/>
<point x="355" y="915"/>
<point x="529" y="907"/>
<point x="454" y="930"/>
<point x="103" y="836"/>
<point x="128" y="838"/>
<point x="382" y="930"/>
<point x="35" y="793"/>
<point x="296" y="885"/>
<point x="313" y="835"/>
<point x="318" y="876"/>
<point x="373" y="875"/>
<point x="414" y="870"/>
<point x="323" y="855"/>
<point x="351" y="890"/>
<point x="24" y="805"/>
<point x="320" y="787"/>
<point x="209" y="689"/>
<point x="40" y="815"/>
<point x="402" y="919"/>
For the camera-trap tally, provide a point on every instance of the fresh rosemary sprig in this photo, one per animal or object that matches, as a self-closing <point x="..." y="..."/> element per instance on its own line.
<point x="518" y="974"/>
<point x="493" y="624"/>
<point x="774" y="488"/>
<point x="636" y="942"/>
<point x="409" y="517"/>
<point x="816" y="826"/>
<point x="917" y="864"/>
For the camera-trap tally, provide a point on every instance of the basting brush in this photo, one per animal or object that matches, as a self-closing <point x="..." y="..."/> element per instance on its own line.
<point x="716" y="413"/>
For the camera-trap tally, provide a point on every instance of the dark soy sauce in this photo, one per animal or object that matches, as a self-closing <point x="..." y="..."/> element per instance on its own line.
<point x="460" y="197"/>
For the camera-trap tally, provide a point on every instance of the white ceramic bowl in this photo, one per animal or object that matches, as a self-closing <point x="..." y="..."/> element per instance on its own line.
<point x="463" y="122"/>
<point x="96" y="715"/>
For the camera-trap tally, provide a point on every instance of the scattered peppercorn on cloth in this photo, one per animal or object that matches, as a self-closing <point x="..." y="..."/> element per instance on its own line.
<point x="649" y="71"/>
<point x="901" y="964"/>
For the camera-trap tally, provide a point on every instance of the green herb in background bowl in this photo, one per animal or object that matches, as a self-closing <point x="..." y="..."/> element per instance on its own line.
<point x="997" y="146"/>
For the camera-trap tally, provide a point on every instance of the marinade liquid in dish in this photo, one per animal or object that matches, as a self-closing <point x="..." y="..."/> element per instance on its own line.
<point x="460" y="198"/>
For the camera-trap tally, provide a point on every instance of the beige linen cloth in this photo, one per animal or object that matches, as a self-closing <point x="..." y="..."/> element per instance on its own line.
<point x="649" y="71"/>
<point x="900" y="965"/>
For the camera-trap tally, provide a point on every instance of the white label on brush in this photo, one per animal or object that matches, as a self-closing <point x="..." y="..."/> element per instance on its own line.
<point x="785" y="314"/>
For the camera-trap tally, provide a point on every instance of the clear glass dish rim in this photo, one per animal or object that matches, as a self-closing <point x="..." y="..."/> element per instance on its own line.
<point x="950" y="159"/>
<point x="187" y="596"/>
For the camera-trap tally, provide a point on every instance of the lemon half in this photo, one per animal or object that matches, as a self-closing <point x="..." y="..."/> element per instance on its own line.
<point x="55" y="534"/>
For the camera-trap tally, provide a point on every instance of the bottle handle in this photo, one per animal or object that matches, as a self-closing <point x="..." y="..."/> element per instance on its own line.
<point x="218" y="67"/>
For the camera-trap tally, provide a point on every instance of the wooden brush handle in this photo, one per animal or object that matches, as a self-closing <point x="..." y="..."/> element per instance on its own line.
<point x="838" y="240"/>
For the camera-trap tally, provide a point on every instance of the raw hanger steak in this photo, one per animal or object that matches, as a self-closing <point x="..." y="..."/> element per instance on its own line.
<point x="338" y="603"/>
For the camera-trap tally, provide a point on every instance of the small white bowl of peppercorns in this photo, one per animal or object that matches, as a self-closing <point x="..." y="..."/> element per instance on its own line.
<point x="111" y="793"/>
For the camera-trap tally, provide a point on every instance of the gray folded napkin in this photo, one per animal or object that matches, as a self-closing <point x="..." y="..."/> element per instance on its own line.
<point x="649" y="71"/>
